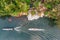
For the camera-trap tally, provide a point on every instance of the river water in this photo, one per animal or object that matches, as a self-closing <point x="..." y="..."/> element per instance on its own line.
<point x="51" y="31"/>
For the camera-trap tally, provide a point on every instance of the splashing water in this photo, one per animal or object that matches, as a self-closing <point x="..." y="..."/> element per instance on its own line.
<point x="17" y="29"/>
<point x="34" y="17"/>
<point x="29" y="29"/>
<point x="36" y="29"/>
<point x="30" y="17"/>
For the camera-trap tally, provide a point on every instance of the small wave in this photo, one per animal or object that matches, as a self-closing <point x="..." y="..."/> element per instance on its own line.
<point x="17" y="29"/>
<point x="36" y="29"/>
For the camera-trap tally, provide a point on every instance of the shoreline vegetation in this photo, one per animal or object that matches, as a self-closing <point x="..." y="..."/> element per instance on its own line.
<point x="17" y="8"/>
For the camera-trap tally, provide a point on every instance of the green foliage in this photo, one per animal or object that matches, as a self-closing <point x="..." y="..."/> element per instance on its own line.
<point x="26" y="1"/>
<point x="36" y="3"/>
<point x="24" y="8"/>
<point x="12" y="6"/>
<point x="49" y="5"/>
<point x="33" y="12"/>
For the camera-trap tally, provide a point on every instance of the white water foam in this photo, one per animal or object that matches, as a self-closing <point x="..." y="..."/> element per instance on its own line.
<point x="7" y="29"/>
<point x="18" y="29"/>
<point x="34" y="17"/>
<point x="30" y="17"/>
<point x="36" y="29"/>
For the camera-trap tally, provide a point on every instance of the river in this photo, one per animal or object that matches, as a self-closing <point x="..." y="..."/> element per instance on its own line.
<point x="51" y="31"/>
